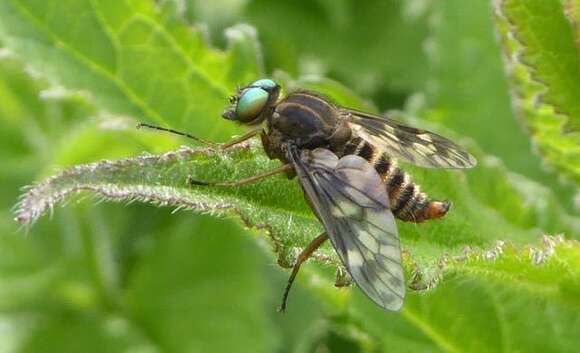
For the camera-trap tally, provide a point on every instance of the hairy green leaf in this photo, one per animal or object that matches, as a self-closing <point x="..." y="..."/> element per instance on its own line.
<point x="274" y="204"/>
<point x="501" y="299"/>
<point x="548" y="50"/>
<point x="544" y="69"/>
<point x="467" y="90"/>
<point x="278" y="205"/>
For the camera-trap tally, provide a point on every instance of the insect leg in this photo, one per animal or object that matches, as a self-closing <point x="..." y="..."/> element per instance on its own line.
<point x="241" y="139"/>
<point x="180" y="133"/>
<point x="222" y="146"/>
<point x="252" y="179"/>
<point x="304" y="255"/>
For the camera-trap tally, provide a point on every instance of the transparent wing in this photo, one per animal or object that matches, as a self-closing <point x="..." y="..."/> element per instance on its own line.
<point x="351" y="201"/>
<point x="420" y="147"/>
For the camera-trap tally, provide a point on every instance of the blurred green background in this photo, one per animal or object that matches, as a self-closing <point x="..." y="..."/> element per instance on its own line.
<point x="500" y="77"/>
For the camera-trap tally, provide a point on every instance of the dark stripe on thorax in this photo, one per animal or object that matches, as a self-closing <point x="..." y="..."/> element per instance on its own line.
<point x="295" y="108"/>
<point x="322" y="108"/>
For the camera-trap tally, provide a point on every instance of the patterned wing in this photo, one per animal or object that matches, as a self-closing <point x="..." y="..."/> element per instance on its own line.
<point x="420" y="147"/>
<point x="351" y="201"/>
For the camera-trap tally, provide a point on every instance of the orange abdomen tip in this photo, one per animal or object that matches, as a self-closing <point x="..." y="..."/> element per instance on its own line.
<point x="437" y="209"/>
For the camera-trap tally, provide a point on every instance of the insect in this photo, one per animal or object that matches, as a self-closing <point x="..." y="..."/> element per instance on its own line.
<point x="346" y="163"/>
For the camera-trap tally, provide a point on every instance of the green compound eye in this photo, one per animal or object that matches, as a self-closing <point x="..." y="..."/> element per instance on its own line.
<point x="251" y="104"/>
<point x="264" y="83"/>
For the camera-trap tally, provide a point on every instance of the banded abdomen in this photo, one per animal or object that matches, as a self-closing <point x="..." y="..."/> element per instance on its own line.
<point x="408" y="203"/>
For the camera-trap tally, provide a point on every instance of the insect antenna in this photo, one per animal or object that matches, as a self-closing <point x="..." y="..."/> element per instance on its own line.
<point x="179" y="133"/>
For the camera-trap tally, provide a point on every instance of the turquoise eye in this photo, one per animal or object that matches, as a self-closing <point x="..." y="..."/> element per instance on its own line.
<point x="264" y="83"/>
<point x="251" y="104"/>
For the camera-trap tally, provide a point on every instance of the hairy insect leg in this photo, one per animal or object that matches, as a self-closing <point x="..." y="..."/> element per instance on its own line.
<point x="343" y="278"/>
<point x="304" y="255"/>
<point x="179" y="133"/>
<point x="222" y="146"/>
<point x="285" y="168"/>
<point x="248" y="135"/>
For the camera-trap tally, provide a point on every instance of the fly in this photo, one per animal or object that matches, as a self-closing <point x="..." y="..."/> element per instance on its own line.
<point x="346" y="163"/>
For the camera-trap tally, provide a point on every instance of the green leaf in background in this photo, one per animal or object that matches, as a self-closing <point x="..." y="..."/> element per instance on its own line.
<point x="572" y="12"/>
<point x="544" y="68"/>
<point x="384" y="39"/>
<point x="166" y="300"/>
<point x="467" y="90"/>
<point x="132" y="60"/>
<point x="549" y="53"/>
<point x="213" y="274"/>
